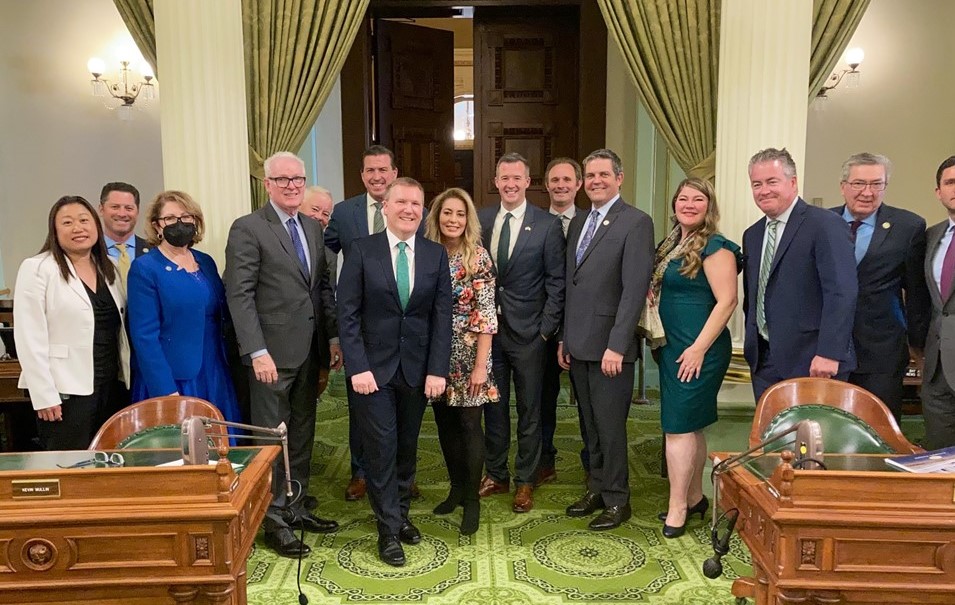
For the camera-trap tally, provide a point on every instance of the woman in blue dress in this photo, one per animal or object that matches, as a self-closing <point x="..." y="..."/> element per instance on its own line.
<point x="694" y="280"/>
<point x="177" y="310"/>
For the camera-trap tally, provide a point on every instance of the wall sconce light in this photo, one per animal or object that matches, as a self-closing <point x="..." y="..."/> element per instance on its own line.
<point x="123" y="89"/>
<point x="852" y="77"/>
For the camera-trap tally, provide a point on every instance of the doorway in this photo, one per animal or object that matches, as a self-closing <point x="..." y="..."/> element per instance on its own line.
<point x="528" y="77"/>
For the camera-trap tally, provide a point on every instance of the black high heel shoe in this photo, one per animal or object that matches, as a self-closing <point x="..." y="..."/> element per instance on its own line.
<point x="700" y="507"/>
<point x="670" y="531"/>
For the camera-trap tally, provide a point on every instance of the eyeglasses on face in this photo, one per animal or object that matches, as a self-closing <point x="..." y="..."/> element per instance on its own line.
<point x="873" y="185"/>
<point x="168" y="220"/>
<point x="285" y="181"/>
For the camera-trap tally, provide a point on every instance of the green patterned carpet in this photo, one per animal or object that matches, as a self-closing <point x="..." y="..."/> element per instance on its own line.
<point x="538" y="558"/>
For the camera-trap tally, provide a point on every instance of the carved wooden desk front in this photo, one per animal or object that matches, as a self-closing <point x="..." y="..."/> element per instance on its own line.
<point x="132" y="535"/>
<point x="857" y="533"/>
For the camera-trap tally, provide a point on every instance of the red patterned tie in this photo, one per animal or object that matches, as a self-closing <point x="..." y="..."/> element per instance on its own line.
<point x="948" y="270"/>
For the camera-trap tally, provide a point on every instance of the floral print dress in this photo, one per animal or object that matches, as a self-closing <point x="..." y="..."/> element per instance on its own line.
<point x="473" y="313"/>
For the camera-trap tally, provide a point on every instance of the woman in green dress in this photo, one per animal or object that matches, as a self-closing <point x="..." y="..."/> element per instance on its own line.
<point x="694" y="280"/>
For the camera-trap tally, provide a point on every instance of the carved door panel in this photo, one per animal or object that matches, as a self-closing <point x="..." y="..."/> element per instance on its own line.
<point x="527" y="93"/>
<point x="416" y="101"/>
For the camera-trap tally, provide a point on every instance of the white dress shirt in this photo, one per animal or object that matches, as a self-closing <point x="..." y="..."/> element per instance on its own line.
<point x="517" y="219"/>
<point x="565" y="217"/>
<point x="409" y="252"/>
<point x="780" y="227"/>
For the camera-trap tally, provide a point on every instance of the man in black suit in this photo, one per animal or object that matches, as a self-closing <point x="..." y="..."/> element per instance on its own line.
<point x="563" y="179"/>
<point x="283" y="311"/>
<point x="893" y="307"/>
<point x="799" y="281"/>
<point x="394" y="309"/>
<point x="119" y="211"/>
<point x="354" y="218"/>
<point x="609" y="263"/>
<point x="527" y="247"/>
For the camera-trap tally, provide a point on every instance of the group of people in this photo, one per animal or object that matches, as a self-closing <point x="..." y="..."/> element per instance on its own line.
<point x="450" y="307"/>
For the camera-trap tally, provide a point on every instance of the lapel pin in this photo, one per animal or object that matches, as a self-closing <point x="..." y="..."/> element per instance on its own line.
<point x="145" y="250"/>
<point x="606" y="223"/>
<point x="168" y="268"/>
<point x="886" y="225"/>
<point x="527" y="228"/>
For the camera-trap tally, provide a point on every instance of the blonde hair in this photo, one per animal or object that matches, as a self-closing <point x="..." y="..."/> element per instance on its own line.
<point x="471" y="238"/>
<point x="188" y="204"/>
<point x="697" y="238"/>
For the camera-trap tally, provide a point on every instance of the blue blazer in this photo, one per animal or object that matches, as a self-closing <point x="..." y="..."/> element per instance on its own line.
<point x="350" y="221"/>
<point x="810" y="295"/>
<point x="166" y="326"/>
<point x="530" y="292"/>
<point x="894" y="305"/>
<point x="376" y="334"/>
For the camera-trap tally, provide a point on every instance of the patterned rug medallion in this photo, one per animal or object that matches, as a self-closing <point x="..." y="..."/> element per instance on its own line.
<point x="537" y="558"/>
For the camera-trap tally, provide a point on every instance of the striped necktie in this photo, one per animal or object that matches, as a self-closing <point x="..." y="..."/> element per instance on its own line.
<point x="123" y="262"/>
<point x="764" y="267"/>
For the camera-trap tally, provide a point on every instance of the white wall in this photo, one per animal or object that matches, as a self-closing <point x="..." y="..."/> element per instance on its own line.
<point x="322" y="151"/>
<point x="903" y="108"/>
<point x="57" y="139"/>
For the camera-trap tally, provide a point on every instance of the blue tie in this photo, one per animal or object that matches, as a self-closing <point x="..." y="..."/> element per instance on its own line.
<point x="297" y="242"/>
<point x="591" y="227"/>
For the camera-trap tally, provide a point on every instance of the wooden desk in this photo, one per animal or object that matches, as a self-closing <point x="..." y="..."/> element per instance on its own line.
<point x="862" y="535"/>
<point x="135" y="535"/>
<point x="9" y="376"/>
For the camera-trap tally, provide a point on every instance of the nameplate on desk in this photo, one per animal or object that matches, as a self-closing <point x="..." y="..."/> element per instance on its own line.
<point x="24" y="489"/>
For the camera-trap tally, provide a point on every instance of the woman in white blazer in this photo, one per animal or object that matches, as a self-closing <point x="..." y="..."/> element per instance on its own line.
<point x="69" y="324"/>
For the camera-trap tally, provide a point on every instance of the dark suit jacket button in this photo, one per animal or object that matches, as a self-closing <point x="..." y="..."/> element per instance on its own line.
<point x="945" y="314"/>
<point x="500" y="289"/>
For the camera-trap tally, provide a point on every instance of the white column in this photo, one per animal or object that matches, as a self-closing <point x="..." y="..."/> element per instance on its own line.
<point x="763" y="102"/>
<point x="205" y="141"/>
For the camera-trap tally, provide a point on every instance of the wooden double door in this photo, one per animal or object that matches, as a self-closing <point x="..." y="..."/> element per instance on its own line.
<point x="540" y="90"/>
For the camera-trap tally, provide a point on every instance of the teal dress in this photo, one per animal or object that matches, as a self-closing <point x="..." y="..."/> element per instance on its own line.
<point x="685" y="305"/>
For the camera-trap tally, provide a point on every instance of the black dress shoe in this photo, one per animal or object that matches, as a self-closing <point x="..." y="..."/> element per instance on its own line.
<point x="700" y="507"/>
<point x="390" y="551"/>
<point x="408" y="533"/>
<point x="313" y="524"/>
<point x="284" y="543"/>
<point x="611" y="518"/>
<point x="586" y="505"/>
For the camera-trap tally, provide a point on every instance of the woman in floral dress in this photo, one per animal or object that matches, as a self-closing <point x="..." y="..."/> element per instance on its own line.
<point x="453" y="222"/>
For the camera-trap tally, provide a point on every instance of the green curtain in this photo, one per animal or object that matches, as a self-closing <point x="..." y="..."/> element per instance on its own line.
<point x="294" y="51"/>
<point x="672" y="48"/>
<point x="833" y="23"/>
<point x="139" y="19"/>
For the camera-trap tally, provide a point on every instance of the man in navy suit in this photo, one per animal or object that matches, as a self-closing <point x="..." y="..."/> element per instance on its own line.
<point x="799" y="281"/>
<point x="353" y="218"/>
<point x="394" y="304"/>
<point x="119" y="211"/>
<point x="527" y="246"/>
<point x="893" y="307"/>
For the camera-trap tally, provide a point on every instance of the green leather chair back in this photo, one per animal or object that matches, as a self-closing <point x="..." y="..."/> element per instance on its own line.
<point x="842" y="432"/>
<point x="154" y="437"/>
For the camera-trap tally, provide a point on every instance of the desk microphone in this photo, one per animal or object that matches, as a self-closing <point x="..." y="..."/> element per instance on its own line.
<point x="809" y="455"/>
<point x="195" y="444"/>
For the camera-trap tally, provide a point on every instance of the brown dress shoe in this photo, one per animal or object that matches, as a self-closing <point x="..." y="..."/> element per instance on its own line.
<point x="356" y="489"/>
<point x="489" y="487"/>
<point x="545" y="474"/>
<point x="523" y="499"/>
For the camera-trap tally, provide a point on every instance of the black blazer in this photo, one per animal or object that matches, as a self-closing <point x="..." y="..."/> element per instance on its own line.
<point x="530" y="292"/>
<point x="886" y="320"/>
<point x="376" y="334"/>
<point x="142" y="246"/>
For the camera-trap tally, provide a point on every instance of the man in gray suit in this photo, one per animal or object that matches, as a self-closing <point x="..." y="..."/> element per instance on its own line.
<point x="609" y="263"/>
<point x="938" y="379"/>
<point x="282" y="305"/>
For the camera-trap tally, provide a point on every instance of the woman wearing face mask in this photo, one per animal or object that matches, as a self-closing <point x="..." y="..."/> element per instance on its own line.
<point x="177" y="310"/>
<point x="68" y="323"/>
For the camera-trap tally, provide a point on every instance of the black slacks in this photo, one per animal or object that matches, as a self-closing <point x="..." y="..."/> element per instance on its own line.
<point x="462" y="443"/>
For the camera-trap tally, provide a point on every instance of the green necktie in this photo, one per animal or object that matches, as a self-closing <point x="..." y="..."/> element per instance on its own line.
<point x="378" y="222"/>
<point x="504" y="244"/>
<point x="402" y="277"/>
<point x="764" y="266"/>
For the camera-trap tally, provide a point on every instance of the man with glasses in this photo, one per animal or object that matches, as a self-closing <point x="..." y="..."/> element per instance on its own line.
<point x="893" y="307"/>
<point x="283" y="310"/>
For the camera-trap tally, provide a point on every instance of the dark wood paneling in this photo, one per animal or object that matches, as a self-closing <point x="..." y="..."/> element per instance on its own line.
<point x="357" y="85"/>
